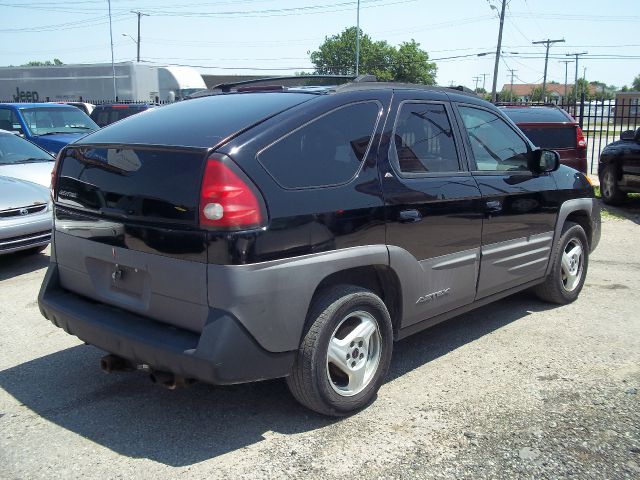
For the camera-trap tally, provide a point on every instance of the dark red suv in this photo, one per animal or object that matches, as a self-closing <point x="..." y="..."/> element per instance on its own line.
<point x="553" y="128"/>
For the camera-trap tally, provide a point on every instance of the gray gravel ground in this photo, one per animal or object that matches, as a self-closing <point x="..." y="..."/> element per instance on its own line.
<point x="517" y="389"/>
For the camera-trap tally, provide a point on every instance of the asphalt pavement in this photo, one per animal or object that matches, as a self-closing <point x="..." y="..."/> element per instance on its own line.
<point x="516" y="389"/>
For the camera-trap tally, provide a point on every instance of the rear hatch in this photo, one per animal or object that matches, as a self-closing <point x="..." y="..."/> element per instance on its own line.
<point x="127" y="228"/>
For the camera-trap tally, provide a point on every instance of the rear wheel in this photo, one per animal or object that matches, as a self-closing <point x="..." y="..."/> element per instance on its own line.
<point x="609" y="188"/>
<point x="564" y="283"/>
<point x="345" y="353"/>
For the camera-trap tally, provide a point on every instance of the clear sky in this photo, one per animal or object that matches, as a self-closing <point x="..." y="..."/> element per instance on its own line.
<point x="274" y="36"/>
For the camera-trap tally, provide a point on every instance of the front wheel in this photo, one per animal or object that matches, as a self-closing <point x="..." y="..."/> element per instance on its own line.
<point x="345" y="353"/>
<point x="569" y="268"/>
<point x="609" y="189"/>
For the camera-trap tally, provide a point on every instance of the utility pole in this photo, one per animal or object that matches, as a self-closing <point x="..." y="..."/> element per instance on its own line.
<point x="484" y="80"/>
<point x="546" y="61"/>
<point x="113" y="67"/>
<point x="566" y="66"/>
<point x="477" y="80"/>
<point x="139" y="14"/>
<point x="513" y="74"/>
<point x="575" y="85"/>
<point x="358" y="40"/>
<point x="497" y="64"/>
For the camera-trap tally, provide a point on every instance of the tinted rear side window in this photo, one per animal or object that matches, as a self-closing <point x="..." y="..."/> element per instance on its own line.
<point x="551" y="137"/>
<point x="424" y="139"/>
<point x="326" y="151"/>
<point x="201" y="122"/>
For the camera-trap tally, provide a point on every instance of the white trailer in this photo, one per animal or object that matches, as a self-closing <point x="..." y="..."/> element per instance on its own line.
<point x="94" y="83"/>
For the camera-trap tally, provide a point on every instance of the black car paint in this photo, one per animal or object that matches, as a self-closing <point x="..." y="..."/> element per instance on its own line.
<point x="624" y="155"/>
<point x="429" y="216"/>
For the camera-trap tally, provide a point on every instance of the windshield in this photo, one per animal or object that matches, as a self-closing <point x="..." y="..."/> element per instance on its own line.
<point x="14" y="149"/>
<point x="47" y="120"/>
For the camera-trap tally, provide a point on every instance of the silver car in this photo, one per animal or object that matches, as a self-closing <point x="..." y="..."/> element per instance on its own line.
<point x="25" y="213"/>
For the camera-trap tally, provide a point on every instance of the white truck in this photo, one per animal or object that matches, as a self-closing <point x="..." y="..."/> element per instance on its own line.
<point x="94" y="83"/>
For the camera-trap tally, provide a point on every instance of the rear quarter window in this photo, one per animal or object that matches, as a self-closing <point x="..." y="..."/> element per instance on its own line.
<point x="324" y="152"/>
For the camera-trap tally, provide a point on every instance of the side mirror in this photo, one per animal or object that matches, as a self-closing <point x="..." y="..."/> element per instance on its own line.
<point x="545" y="160"/>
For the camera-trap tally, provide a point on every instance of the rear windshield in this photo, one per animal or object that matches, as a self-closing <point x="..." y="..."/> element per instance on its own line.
<point x="200" y="122"/>
<point x="136" y="183"/>
<point x="535" y="114"/>
<point x="560" y="137"/>
<point x="107" y="116"/>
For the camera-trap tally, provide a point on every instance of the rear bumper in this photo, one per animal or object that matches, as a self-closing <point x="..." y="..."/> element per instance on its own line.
<point x="224" y="353"/>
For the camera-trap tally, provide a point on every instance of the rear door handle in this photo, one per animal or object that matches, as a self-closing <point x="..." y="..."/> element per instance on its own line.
<point x="493" y="206"/>
<point x="410" y="216"/>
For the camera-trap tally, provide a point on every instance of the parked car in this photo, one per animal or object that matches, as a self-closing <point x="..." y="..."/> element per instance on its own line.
<point x="553" y="128"/>
<point x="298" y="232"/>
<point x="48" y="125"/>
<point x="22" y="159"/>
<point x="84" y="106"/>
<point x="619" y="168"/>
<point x="108" y="113"/>
<point x="25" y="216"/>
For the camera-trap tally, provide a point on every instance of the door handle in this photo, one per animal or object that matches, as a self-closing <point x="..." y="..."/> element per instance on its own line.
<point x="493" y="206"/>
<point x="410" y="216"/>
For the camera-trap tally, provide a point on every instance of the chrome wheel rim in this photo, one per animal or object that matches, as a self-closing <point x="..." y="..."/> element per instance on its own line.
<point x="608" y="183"/>
<point x="353" y="354"/>
<point x="572" y="265"/>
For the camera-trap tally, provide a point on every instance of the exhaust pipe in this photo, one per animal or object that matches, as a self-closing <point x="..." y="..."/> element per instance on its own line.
<point x="113" y="363"/>
<point x="170" y="380"/>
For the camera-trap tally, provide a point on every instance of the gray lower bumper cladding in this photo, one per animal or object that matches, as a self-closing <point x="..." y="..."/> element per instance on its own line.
<point x="224" y="353"/>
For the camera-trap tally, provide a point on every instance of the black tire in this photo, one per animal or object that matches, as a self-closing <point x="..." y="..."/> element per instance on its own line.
<point x="609" y="189"/>
<point x="309" y="381"/>
<point x="559" y="287"/>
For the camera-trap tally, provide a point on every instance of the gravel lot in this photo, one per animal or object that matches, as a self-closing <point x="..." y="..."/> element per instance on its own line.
<point x="517" y="389"/>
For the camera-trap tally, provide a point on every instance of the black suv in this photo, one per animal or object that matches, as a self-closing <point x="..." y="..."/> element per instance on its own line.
<point x="297" y="232"/>
<point x="619" y="168"/>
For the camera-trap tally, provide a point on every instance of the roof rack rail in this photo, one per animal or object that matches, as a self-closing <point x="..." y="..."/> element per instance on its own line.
<point x="226" y="87"/>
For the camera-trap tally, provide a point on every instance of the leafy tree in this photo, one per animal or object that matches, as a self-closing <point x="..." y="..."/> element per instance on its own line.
<point x="407" y="63"/>
<point x="636" y="83"/>
<point x="537" y="95"/>
<point x="582" y="86"/>
<point x="47" y="63"/>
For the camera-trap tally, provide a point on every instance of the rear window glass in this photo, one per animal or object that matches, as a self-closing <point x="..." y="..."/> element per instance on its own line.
<point x="200" y="122"/>
<point x="140" y="184"/>
<point x="107" y="116"/>
<point x="535" y="114"/>
<point x="326" y="151"/>
<point x="551" y="137"/>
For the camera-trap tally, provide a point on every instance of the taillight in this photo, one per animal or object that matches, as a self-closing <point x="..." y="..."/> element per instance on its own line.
<point x="54" y="172"/>
<point x="227" y="200"/>
<point x="581" y="142"/>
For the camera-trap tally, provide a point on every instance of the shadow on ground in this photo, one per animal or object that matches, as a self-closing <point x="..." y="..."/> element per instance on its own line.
<point x="629" y="209"/>
<point x="125" y="413"/>
<point x="15" y="264"/>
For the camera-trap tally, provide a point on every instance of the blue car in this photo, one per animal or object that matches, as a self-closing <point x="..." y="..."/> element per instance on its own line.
<point x="50" y="126"/>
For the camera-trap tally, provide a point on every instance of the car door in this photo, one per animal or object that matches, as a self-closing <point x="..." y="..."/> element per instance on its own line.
<point x="520" y="206"/>
<point x="432" y="206"/>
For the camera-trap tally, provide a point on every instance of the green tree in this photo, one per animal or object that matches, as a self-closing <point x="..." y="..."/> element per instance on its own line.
<point x="407" y="63"/>
<point x="536" y="94"/>
<point x="636" y="83"/>
<point x="583" y="86"/>
<point x="47" y="63"/>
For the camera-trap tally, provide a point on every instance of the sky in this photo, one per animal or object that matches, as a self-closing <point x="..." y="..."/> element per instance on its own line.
<point x="274" y="36"/>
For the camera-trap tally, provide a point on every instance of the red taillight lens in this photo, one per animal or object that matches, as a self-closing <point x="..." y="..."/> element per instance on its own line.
<point x="227" y="200"/>
<point x="581" y="142"/>
<point x="54" y="172"/>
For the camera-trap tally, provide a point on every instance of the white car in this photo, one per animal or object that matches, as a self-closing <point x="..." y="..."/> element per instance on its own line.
<point x="25" y="212"/>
